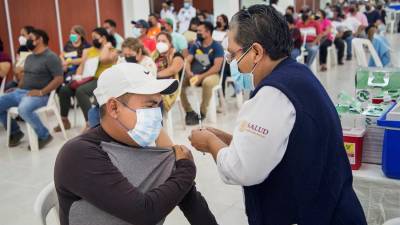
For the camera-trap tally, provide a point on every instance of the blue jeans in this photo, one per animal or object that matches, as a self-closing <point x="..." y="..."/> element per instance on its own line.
<point x="312" y="51"/>
<point x="26" y="109"/>
<point x="348" y="41"/>
<point x="94" y="116"/>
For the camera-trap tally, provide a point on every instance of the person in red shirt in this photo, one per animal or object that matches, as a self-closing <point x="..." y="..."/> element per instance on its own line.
<point x="310" y="30"/>
<point x="140" y="30"/>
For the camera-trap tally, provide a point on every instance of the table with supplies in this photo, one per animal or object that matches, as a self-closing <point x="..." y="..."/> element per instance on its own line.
<point x="379" y="195"/>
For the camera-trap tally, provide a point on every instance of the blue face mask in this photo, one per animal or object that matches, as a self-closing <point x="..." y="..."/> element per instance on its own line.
<point x="136" y="32"/>
<point x="243" y="80"/>
<point x="73" y="38"/>
<point x="186" y="5"/>
<point x="148" y="126"/>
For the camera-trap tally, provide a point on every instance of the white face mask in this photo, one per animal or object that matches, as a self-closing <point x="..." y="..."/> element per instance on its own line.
<point x="162" y="47"/>
<point x="22" y="40"/>
<point x="136" y="32"/>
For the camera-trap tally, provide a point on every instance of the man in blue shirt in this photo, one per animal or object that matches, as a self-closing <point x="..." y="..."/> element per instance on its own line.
<point x="203" y="67"/>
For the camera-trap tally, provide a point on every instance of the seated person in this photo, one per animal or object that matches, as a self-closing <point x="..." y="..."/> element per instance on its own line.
<point x="381" y="45"/>
<point x="296" y="37"/>
<point x="5" y="63"/>
<point x="140" y="30"/>
<point x="71" y="57"/>
<point x="85" y="173"/>
<point x="203" y="66"/>
<point x="133" y="51"/>
<point x="23" y="37"/>
<point x="102" y="43"/>
<point x="311" y="29"/>
<point x="154" y="26"/>
<point x="326" y="38"/>
<point x="42" y="74"/>
<point x="111" y="27"/>
<point x="22" y="54"/>
<point x="221" y="29"/>
<point x="169" y="65"/>
<point x="191" y="34"/>
<point x="178" y="40"/>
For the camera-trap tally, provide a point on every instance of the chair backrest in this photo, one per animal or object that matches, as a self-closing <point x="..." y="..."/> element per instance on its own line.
<point x="222" y="71"/>
<point x="46" y="201"/>
<point x="3" y="85"/>
<point x="52" y="99"/>
<point x="182" y="78"/>
<point x="362" y="58"/>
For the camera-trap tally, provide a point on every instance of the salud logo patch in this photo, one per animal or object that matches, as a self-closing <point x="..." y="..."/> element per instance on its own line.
<point x="253" y="128"/>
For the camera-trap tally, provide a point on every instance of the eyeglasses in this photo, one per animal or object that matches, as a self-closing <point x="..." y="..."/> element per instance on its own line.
<point x="231" y="56"/>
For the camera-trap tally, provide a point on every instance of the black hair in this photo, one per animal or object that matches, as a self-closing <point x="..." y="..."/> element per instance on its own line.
<point x="289" y="18"/>
<point x="264" y="25"/>
<point x="41" y="34"/>
<point x="103" y="32"/>
<point x="208" y="25"/>
<point x="111" y="22"/>
<point x="226" y="21"/>
<point x="194" y="21"/>
<point x="123" y="99"/>
<point x="291" y="8"/>
<point x="28" y="29"/>
<point x="323" y="13"/>
<point x="1" y="46"/>
<point x="274" y="2"/>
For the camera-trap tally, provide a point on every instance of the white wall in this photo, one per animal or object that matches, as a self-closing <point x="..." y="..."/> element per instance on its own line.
<point x="228" y="7"/>
<point x="134" y="10"/>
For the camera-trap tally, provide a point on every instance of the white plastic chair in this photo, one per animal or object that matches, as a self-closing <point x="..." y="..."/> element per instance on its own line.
<point x="3" y="86"/>
<point x="362" y="58"/>
<point x="239" y="96"/>
<point x="168" y="121"/>
<point x="331" y="59"/>
<point x="45" y="202"/>
<point x="395" y="221"/>
<point x="33" y="139"/>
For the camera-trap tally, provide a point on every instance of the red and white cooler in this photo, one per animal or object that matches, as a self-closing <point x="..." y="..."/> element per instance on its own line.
<point x="353" y="143"/>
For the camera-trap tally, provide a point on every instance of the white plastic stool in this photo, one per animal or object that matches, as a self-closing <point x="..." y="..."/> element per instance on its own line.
<point x="395" y="221"/>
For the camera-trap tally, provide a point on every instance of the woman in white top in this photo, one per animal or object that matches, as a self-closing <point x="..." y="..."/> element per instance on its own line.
<point x="221" y="28"/>
<point x="134" y="51"/>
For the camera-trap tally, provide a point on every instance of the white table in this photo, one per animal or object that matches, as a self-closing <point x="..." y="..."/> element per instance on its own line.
<point x="379" y="195"/>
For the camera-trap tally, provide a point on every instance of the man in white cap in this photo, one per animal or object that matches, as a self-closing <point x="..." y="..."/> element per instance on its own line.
<point x="99" y="176"/>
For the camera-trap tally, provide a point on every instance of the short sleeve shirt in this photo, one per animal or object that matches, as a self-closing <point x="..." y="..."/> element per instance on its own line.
<point x="213" y="51"/>
<point x="40" y="69"/>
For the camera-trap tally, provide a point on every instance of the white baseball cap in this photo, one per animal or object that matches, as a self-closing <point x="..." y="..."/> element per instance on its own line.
<point x="130" y="78"/>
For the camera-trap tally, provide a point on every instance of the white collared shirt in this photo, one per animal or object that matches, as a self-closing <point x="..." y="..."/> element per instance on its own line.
<point x="260" y="138"/>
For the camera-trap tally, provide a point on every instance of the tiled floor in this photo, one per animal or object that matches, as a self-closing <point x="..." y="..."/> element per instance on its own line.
<point x="23" y="174"/>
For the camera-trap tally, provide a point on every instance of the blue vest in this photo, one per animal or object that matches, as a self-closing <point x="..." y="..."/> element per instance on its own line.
<point x="312" y="185"/>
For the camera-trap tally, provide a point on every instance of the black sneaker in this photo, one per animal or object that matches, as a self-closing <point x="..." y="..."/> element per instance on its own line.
<point x="348" y="58"/>
<point x="43" y="142"/>
<point x="15" y="139"/>
<point x="192" y="118"/>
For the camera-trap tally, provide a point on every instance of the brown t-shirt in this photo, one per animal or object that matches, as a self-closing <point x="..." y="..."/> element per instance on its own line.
<point x="84" y="171"/>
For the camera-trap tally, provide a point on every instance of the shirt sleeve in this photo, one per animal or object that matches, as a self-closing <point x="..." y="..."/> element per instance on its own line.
<point x="219" y="50"/>
<point x="54" y="65"/>
<point x="192" y="49"/>
<point x="259" y="140"/>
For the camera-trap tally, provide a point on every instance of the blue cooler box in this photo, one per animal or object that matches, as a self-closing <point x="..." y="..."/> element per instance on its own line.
<point x="391" y="146"/>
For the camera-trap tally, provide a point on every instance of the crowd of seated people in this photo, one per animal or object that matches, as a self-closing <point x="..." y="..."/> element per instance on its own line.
<point x="163" y="44"/>
<point x="338" y="24"/>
